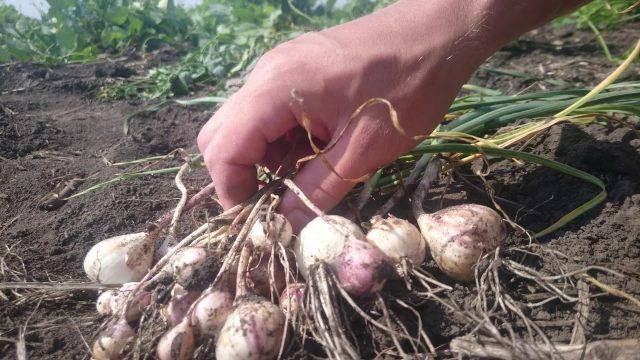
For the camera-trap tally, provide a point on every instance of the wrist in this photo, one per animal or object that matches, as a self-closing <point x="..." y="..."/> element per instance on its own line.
<point x="503" y="21"/>
<point x="467" y="32"/>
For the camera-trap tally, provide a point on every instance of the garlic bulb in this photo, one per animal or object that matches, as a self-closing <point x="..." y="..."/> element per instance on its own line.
<point x="211" y="311"/>
<point x="178" y="343"/>
<point x="291" y="298"/>
<point x="120" y="259"/>
<point x="323" y="239"/>
<point x="363" y="269"/>
<point x="193" y="267"/>
<point x="112" y="341"/>
<point x="459" y="235"/>
<point x="103" y="304"/>
<point x="179" y="304"/>
<point x="262" y="275"/>
<point x="263" y="234"/>
<point x="253" y="331"/>
<point x="112" y="301"/>
<point x="398" y="239"/>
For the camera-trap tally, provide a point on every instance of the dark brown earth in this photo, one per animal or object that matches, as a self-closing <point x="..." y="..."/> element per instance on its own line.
<point x="52" y="130"/>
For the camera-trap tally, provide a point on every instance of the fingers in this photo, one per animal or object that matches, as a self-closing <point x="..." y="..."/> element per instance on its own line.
<point x="236" y="138"/>
<point x="324" y="187"/>
<point x="283" y="154"/>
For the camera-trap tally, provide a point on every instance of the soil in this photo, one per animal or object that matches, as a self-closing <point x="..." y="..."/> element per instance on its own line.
<point x="54" y="130"/>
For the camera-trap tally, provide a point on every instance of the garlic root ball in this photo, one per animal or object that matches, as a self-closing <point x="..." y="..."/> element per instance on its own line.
<point x="262" y="235"/>
<point x="459" y="235"/>
<point x="398" y="239"/>
<point x="323" y="239"/>
<point x="120" y="259"/>
<point x="253" y="331"/>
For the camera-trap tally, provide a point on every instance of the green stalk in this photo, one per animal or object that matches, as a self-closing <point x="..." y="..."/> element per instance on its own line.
<point x="600" y="39"/>
<point x="522" y="75"/>
<point x="505" y="99"/>
<point x="301" y="13"/>
<point x="606" y="82"/>
<point x="129" y="176"/>
<point x="505" y="115"/>
<point x="202" y="100"/>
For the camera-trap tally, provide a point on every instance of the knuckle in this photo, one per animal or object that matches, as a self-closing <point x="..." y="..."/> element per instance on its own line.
<point x="215" y="151"/>
<point x="310" y="37"/>
<point x="212" y="149"/>
<point x="272" y="61"/>
<point x="203" y="139"/>
<point x="206" y="133"/>
<point x="294" y="56"/>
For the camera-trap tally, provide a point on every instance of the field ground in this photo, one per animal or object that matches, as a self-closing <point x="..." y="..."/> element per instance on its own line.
<point x="52" y="130"/>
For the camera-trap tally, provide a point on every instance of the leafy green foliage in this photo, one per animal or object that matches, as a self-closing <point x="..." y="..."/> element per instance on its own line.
<point x="77" y="30"/>
<point x="600" y="14"/>
<point x="10" y="48"/>
<point x="217" y="40"/>
<point x="230" y="36"/>
<point x="603" y="13"/>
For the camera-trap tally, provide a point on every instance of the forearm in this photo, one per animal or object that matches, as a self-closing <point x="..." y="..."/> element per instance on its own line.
<point x="503" y="21"/>
<point x="452" y="36"/>
<point x="478" y="27"/>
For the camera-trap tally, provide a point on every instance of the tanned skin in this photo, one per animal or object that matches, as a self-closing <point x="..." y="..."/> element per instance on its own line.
<point x="415" y="53"/>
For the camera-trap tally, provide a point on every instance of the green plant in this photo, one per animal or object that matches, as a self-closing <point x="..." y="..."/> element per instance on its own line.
<point x="218" y="39"/>
<point x="603" y="13"/>
<point x="75" y="30"/>
<point x="230" y="35"/>
<point x="600" y="14"/>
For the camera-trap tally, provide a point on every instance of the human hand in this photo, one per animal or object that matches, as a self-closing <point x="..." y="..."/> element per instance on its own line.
<point x="415" y="54"/>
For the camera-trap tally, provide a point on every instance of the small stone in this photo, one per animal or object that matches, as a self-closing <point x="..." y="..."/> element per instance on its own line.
<point x="622" y="134"/>
<point x="563" y="31"/>
<point x="597" y="131"/>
